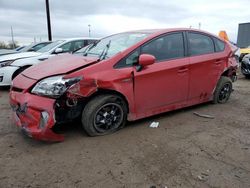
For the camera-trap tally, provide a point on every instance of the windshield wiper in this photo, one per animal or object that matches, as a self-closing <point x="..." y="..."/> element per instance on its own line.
<point x="104" y="53"/>
<point x="85" y="53"/>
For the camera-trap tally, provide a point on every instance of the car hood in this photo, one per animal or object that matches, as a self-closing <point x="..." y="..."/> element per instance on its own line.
<point x="61" y="64"/>
<point x="18" y="56"/>
<point x="31" y="60"/>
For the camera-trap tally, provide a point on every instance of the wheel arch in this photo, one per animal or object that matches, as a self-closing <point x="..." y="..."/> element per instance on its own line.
<point x="22" y="68"/>
<point x="101" y="91"/>
<point x="230" y="72"/>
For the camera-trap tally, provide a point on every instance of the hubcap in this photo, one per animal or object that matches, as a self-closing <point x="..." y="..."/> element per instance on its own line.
<point x="108" y="117"/>
<point x="225" y="92"/>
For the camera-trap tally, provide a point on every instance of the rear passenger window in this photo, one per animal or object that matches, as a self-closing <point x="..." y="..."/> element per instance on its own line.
<point x="219" y="45"/>
<point x="200" y="44"/>
<point x="170" y="46"/>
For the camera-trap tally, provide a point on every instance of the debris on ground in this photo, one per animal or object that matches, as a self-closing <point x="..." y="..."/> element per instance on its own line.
<point x="203" y="115"/>
<point x="154" y="125"/>
<point x="203" y="176"/>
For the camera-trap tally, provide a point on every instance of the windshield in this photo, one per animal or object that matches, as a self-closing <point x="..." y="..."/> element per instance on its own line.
<point x="50" y="46"/>
<point x="112" y="45"/>
<point x="26" y="48"/>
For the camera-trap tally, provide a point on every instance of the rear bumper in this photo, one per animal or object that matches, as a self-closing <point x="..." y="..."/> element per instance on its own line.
<point x="34" y="115"/>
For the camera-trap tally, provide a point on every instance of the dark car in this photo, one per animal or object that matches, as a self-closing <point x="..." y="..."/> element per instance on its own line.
<point x="126" y="76"/>
<point x="245" y="66"/>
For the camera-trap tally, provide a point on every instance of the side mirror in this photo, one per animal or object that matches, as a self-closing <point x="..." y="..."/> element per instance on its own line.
<point x="31" y="50"/>
<point x="145" y="60"/>
<point x="58" y="51"/>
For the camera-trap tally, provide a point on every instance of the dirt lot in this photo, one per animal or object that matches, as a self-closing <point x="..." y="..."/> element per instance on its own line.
<point x="185" y="151"/>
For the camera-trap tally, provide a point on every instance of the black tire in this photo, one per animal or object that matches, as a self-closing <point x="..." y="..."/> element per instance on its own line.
<point x="18" y="71"/>
<point x="104" y="114"/>
<point x="247" y="76"/>
<point x="223" y="90"/>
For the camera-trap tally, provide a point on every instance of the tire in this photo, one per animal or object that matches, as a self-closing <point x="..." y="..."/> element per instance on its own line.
<point x="18" y="71"/>
<point x="104" y="114"/>
<point x="247" y="76"/>
<point x="223" y="90"/>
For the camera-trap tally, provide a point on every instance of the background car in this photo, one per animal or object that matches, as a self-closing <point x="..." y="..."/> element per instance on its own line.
<point x="126" y="76"/>
<point x="245" y="66"/>
<point x="243" y="52"/>
<point x="30" y="48"/>
<point x="10" y="68"/>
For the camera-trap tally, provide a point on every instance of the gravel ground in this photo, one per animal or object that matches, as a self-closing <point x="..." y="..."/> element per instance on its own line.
<point x="184" y="151"/>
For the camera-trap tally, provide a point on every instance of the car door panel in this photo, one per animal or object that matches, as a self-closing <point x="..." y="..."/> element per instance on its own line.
<point x="205" y="68"/>
<point x="161" y="84"/>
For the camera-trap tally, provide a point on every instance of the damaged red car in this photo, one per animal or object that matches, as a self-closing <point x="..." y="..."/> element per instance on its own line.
<point x="126" y="76"/>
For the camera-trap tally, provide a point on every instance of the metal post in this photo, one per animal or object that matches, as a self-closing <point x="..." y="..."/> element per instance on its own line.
<point x="48" y="20"/>
<point x="12" y="37"/>
<point x="89" y="29"/>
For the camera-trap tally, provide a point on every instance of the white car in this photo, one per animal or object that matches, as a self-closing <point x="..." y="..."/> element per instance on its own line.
<point x="12" y="65"/>
<point x="33" y="47"/>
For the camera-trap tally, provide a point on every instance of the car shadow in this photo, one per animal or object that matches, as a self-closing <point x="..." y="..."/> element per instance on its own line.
<point x="4" y="88"/>
<point x="74" y="128"/>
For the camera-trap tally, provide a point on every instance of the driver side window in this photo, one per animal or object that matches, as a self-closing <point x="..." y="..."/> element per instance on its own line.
<point x="133" y="58"/>
<point x="130" y="60"/>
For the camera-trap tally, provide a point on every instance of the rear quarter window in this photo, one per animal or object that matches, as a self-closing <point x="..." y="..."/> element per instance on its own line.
<point x="219" y="45"/>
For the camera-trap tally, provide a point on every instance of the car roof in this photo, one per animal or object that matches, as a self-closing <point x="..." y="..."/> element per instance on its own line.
<point x="81" y="38"/>
<point x="162" y="31"/>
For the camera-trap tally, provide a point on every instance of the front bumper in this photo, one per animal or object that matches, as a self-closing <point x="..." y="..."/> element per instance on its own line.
<point x="34" y="115"/>
<point x="245" y="68"/>
<point x="6" y="75"/>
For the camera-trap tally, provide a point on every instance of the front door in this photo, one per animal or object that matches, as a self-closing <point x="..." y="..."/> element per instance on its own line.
<point x="166" y="81"/>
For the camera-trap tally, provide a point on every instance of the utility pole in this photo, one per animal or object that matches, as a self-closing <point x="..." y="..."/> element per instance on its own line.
<point x="89" y="29"/>
<point x="12" y="38"/>
<point x="199" y="25"/>
<point x="48" y="20"/>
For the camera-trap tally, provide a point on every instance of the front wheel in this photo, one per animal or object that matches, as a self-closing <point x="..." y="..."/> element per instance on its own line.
<point x="223" y="90"/>
<point x="104" y="114"/>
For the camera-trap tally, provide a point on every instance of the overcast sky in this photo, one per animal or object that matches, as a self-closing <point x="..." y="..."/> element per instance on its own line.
<point x="70" y="18"/>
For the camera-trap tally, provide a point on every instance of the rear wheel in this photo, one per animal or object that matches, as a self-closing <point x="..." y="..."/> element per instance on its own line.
<point x="223" y="90"/>
<point x="104" y="114"/>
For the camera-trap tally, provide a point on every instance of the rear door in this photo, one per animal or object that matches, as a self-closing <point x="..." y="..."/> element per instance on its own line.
<point x="166" y="81"/>
<point x="205" y="66"/>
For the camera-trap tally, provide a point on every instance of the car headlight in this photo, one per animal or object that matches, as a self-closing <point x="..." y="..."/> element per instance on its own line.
<point x="54" y="87"/>
<point x="6" y="63"/>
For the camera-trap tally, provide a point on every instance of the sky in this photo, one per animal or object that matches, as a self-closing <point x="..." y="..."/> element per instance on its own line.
<point x="70" y="18"/>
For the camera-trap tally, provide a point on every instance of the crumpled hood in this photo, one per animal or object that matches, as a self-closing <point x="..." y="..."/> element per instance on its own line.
<point x="61" y="64"/>
<point x="18" y="56"/>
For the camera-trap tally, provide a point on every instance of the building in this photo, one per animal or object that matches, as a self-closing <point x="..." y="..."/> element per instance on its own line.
<point x="243" y="39"/>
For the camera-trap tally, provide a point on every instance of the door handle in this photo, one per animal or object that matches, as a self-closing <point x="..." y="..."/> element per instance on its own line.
<point x="183" y="69"/>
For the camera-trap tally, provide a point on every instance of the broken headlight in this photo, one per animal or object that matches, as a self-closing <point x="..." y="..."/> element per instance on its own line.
<point x="54" y="86"/>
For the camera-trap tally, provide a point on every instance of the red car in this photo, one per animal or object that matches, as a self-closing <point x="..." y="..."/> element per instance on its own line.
<point x="126" y="76"/>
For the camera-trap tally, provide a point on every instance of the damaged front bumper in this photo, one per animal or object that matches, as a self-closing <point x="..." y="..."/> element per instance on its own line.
<point x="245" y="68"/>
<point x="35" y="115"/>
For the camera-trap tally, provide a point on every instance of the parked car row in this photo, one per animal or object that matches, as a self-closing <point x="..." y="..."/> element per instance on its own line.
<point x="30" y="48"/>
<point x="126" y="76"/>
<point x="13" y="64"/>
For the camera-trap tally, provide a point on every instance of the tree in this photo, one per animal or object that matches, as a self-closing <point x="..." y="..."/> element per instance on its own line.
<point x="3" y="45"/>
